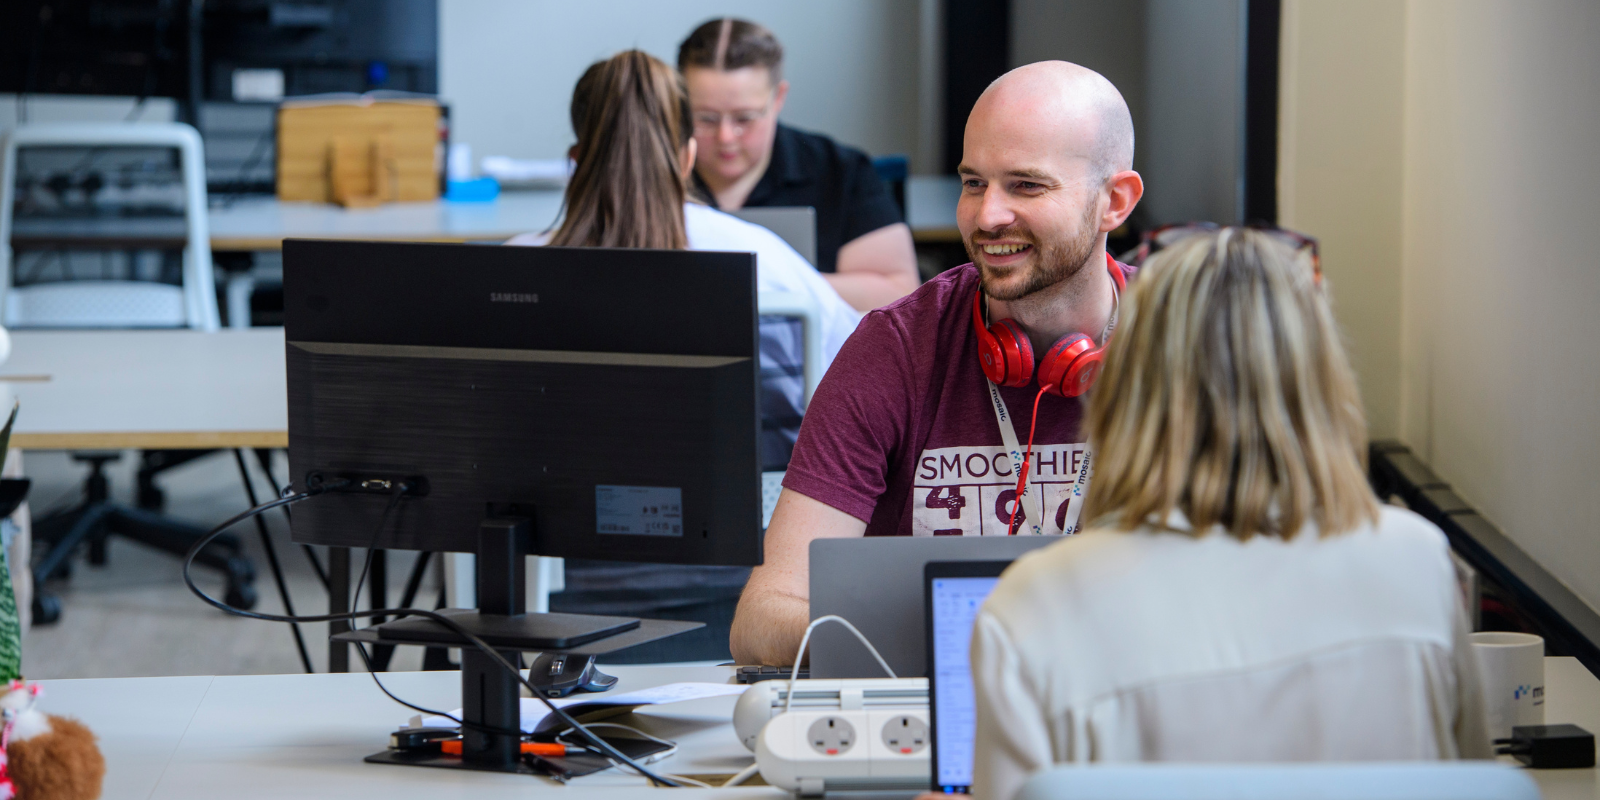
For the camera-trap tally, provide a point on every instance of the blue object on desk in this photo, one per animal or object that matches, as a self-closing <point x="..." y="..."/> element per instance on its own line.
<point x="477" y="190"/>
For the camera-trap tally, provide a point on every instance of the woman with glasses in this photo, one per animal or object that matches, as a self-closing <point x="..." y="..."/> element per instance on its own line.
<point x="1238" y="593"/>
<point x="734" y="71"/>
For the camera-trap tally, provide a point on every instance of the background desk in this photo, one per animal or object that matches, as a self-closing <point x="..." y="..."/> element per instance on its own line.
<point x="262" y="223"/>
<point x="303" y="736"/>
<point x="149" y="389"/>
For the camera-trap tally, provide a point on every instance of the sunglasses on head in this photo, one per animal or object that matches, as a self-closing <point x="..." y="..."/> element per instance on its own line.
<point x="1154" y="241"/>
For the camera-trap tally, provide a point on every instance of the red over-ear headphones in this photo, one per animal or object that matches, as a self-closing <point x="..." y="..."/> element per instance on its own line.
<point x="1068" y="368"/>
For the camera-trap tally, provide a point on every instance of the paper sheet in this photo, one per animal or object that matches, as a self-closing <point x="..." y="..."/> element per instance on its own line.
<point x="534" y="711"/>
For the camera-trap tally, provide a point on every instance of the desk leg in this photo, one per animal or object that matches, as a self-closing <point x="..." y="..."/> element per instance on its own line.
<point x="338" y="602"/>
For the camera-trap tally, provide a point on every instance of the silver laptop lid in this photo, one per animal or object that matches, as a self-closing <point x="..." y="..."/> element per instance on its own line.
<point x="876" y="583"/>
<point x="796" y="225"/>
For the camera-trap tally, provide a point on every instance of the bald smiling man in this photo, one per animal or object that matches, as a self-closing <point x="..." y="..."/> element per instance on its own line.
<point x="907" y="436"/>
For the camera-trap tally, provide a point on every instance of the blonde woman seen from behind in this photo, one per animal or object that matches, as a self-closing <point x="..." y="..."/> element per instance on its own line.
<point x="1238" y="594"/>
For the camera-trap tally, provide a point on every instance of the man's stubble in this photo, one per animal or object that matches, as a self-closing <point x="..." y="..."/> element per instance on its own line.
<point x="1057" y="261"/>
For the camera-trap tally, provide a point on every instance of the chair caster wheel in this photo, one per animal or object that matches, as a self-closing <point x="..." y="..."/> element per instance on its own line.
<point x="46" y="609"/>
<point x="240" y="596"/>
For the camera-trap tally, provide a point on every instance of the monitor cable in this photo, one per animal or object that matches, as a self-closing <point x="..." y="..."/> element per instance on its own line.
<point x="289" y="498"/>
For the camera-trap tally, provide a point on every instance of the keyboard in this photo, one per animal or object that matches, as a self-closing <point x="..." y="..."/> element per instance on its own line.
<point x="759" y="674"/>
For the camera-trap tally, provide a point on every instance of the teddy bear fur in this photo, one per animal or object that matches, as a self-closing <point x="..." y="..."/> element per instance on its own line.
<point x="61" y="764"/>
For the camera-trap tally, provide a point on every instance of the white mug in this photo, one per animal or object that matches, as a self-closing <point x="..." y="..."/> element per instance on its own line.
<point x="1513" y="679"/>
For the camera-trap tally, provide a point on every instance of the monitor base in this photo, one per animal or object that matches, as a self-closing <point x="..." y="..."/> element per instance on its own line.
<point x="490" y="695"/>
<point x="440" y="760"/>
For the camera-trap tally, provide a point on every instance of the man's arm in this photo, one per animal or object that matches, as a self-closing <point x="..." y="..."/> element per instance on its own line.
<point x="876" y="268"/>
<point x="775" y="607"/>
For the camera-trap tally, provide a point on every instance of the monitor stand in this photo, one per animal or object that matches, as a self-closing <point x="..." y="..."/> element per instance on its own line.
<point x="490" y="696"/>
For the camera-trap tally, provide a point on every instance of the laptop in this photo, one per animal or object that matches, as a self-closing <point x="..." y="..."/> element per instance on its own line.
<point x="955" y="590"/>
<point x="796" y="225"/>
<point x="876" y="583"/>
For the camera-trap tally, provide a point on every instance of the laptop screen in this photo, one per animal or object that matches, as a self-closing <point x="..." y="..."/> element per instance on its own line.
<point x="953" y="604"/>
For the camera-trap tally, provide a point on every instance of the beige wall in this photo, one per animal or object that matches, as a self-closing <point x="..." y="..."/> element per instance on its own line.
<point x="1485" y="357"/>
<point x="1340" y="150"/>
<point x="508" y="66"/>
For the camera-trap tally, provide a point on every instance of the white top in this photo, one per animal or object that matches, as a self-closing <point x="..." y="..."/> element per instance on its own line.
<point x="1161" y="646"/>
<point x="778" y="267"/>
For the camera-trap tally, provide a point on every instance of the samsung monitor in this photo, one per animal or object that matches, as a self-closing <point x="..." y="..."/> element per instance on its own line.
<point x="607" y="395"/>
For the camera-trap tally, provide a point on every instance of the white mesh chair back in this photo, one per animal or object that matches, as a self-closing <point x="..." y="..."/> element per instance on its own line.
<point x="1397" y="780"/>
<point x="96" y="304"/>
<point x="140" y="304"/>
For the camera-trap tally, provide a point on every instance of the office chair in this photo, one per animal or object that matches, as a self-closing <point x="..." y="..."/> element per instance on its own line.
<point x="116" y="304"/>
<point x="1396" y="780"/>
<point x="894" y="171"/>
<point x="113" y="303"/>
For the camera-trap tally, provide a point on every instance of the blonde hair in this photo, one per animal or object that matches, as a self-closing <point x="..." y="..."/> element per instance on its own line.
<point x="1227" y="396"/>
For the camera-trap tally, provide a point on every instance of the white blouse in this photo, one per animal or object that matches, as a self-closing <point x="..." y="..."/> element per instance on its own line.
<point x="1162" y="646"/>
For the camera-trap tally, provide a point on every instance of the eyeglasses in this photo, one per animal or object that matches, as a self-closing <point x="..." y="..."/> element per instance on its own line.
<point x="1168" y="235"/>
<point x="711" y="121"/>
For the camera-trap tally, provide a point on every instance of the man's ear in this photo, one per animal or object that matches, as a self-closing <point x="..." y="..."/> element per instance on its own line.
<point x="1123" y="190"/>
<point x="687" y="157"/>
<point x="572" y="153"/>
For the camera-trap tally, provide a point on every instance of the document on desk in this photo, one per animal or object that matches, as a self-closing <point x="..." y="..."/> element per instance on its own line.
<point x="536" y="716"/>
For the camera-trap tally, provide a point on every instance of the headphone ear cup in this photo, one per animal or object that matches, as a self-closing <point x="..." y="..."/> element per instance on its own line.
<point x="1016" y="353"/>
<point x="1070" y="366"/>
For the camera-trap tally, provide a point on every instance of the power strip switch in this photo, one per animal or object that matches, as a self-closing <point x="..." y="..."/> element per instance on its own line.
<point x="814" y="751"/>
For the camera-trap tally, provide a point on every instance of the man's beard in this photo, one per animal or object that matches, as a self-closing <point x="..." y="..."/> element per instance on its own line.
<point x="1056" y="261"/>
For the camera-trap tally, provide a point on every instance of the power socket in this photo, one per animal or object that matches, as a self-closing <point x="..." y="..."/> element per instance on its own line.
<point x="765" y="700"/>
<point x="814" y="751"/>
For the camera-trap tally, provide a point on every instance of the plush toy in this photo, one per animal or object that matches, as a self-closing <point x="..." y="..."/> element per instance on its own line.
<point x="42" y="756"/>
<point x="45" y="757"/>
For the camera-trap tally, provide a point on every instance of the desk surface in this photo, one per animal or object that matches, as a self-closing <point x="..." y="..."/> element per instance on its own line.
<point x="262" y="223"/>
<point x="149" y="389"/>
<point x="304" y="736"/>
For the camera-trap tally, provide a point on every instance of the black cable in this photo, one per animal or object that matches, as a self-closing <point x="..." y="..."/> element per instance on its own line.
<point x="272" y="561"/>
<point x="455" y="627"/>
<point x="366" y="565"/>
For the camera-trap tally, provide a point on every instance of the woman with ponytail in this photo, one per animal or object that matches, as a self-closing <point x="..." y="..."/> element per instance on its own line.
<point x="631" y="188"/>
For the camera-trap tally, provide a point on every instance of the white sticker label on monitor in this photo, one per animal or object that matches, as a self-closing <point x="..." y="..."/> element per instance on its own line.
<point x="639" y="510"/>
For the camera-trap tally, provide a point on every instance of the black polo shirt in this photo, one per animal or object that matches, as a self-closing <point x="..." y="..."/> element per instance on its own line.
<point x="808" y="169"/>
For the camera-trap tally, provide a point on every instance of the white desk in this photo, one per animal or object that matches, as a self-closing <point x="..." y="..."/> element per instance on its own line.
<point x="262" y="223"/>
<point x="149" y="389"/>
<point x="303" y="736"/>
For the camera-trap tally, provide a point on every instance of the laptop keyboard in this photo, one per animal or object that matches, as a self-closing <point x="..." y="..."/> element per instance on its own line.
<point x="759" y="674"/>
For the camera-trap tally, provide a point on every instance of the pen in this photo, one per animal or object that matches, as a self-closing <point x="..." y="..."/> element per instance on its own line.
<point x="546" y="749"/>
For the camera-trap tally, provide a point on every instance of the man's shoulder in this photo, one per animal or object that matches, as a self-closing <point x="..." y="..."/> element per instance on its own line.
<point x="933" y="304"/>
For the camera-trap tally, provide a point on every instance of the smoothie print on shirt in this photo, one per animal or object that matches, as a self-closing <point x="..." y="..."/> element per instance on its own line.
<point x="971" y="491"/>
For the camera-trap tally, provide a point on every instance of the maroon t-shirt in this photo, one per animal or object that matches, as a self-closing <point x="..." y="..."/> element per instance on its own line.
<point x="901" y="433"/>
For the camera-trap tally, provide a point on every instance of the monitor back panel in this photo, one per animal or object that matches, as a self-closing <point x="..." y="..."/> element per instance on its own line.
<point x="608" y="395"/>
<point x="877" y="584"/>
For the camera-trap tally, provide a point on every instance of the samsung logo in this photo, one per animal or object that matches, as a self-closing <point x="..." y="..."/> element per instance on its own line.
<point x="512" y="297"/>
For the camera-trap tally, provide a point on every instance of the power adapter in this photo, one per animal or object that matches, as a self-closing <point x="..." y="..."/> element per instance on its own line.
<point x="1549" y="746"/>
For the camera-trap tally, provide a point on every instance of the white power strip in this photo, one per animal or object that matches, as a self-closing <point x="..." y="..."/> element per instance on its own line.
<point x="765" y="700"/>
<point x="813" y="751"/>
